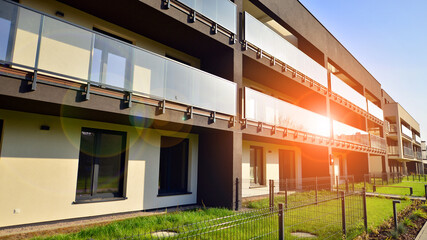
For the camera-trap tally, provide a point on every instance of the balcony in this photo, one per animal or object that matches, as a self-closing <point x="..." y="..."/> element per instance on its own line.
<point x="406" y="131"/>
<point x="50" y="46"/>
<point x="408" y="152"/>
<point x="375" y="111"/>
<point x="222" y="12"/>
<point x="417" y="139"/>
<point x="268" y="41"/>
<point x="344" y="90"/>
<point x="387" y="126"/>
<point x="393" y="150"/>
<point x="263" y="108"/>
<point x="378" y="142"/>
<point x="347" y="133"/>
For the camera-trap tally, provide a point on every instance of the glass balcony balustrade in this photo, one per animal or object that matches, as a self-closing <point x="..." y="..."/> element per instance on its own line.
<point x="223" y="12"/>
<point x="260" y="107"/>
<point x="393" y="128"/>
<point x="347" y="92"/>
<point x="406" y="131"/>
<point x="272" y="43"/>
<point x="378" y="142"/>
<point x="419" y="155"/>
<point x="34" y="41"/>
<point x="347" y="133"/>
<point x="408" y="152"/>
<point x="417" y="138"/>
<point x="392" y="150"/>
<point x="375" y="111"/>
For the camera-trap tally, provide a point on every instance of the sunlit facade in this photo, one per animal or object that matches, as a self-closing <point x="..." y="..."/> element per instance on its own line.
<point x="403" y="140"/>
<point x="139" y="105"/>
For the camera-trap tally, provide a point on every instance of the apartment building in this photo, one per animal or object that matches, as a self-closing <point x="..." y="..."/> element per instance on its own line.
<point x="137" y="105"/>
<point x="403" y="139"/>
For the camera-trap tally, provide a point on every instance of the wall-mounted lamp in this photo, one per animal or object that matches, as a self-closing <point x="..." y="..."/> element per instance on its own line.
<point x="59" y="14"/>
<point x="44" y="127"/>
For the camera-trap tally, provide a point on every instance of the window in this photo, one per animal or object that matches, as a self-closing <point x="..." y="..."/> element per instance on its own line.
<point x="256" y="166"/>
<point x="101" y="164"/>
<point x="173" y="175"/>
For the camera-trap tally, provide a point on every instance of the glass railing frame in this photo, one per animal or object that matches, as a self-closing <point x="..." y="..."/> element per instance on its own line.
<point x="285" y="66"/>
<point x="36" y="69"/>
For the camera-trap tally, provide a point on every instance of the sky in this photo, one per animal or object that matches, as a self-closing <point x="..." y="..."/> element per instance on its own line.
<point x="389" y="38"/>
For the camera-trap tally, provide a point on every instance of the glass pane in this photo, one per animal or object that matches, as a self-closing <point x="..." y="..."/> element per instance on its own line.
<point x="347" y="133"/>
<point x="344" y="90"/>
<point x="266" y="39"/>
<point x="111" y="64"/>
<point x="109" y="154"/>
<point x="406" y="131"/>
<point x="149" y="73"/>
<point x="375" y="110"/>
<point x="226" y="14"/>
<point x="27" y="35"/>
<point x="225" y="95"/>
<point x="204" y="91"/>
<point x="263" y="108"/>
<point x="65" y="49"/>
<point x="86" y="159"/>
<point x="173" y="174"/>
<point x="179" y="81"/>
<point x="7" y="18"/>
<point x="207" y="8"/>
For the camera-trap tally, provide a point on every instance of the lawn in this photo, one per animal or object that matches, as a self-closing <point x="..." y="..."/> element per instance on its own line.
<point x="323" y="220"/>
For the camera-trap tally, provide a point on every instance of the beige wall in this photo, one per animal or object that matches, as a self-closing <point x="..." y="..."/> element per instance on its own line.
<point x="38" y="169"/>
<point x="375" y="164"/>
<point x="271" y="165"/>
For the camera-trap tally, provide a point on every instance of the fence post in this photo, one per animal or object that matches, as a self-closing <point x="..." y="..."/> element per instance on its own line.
<point x="338" y="186"/>
<point x="346" y="184"/>
<point x="271" y="194"/>
<point x="344" y="231"/>
<point x="375" y="180"/>
<point x="365" y="212"/>
<point x="237" y="194"/>
<point x="316" y="189"/>
<point x="281" y="222"/>
<point x="364" y="181"/>
<point x="286" y="193"/>
<point x="395" y="213"/>
<point x="353" y="183"/>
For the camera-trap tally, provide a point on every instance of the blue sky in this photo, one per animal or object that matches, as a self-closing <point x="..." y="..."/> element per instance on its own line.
<point x="389" y="38"/>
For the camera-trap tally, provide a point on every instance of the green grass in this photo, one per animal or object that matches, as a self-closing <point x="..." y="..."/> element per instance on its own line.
<point x="323" y="219"/>
<point x="381" y="209"/>
<point x="417" y="187"/>
<point x="141" y="225"/>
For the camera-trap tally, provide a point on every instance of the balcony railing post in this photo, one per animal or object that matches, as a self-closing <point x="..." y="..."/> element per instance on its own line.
<point x="36" y="63"/>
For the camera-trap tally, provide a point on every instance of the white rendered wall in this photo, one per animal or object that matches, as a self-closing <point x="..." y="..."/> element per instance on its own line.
<point x="38" y="169"/>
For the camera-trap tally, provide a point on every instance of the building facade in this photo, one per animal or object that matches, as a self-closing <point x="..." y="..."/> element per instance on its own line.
<point x="403" y="140"/>
<point x="138" y="105"/>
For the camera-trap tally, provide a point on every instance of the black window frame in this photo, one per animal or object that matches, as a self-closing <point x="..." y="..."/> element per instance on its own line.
<point x="184" y="190"/>
<point x="93" y="196"/>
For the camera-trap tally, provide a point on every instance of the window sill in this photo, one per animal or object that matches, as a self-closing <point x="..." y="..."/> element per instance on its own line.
<point x="173" y="194"/>
<point x="99" y="200"/>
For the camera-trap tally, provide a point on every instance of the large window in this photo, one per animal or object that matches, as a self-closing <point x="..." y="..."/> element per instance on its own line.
<point x="101" y="164"/>
<point x="173" y="175"/>
<point x="256" y="166"/>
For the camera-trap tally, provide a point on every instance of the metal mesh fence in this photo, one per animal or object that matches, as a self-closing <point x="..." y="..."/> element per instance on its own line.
<point x="253" y="224"/>
<point x="285" y="209"/>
